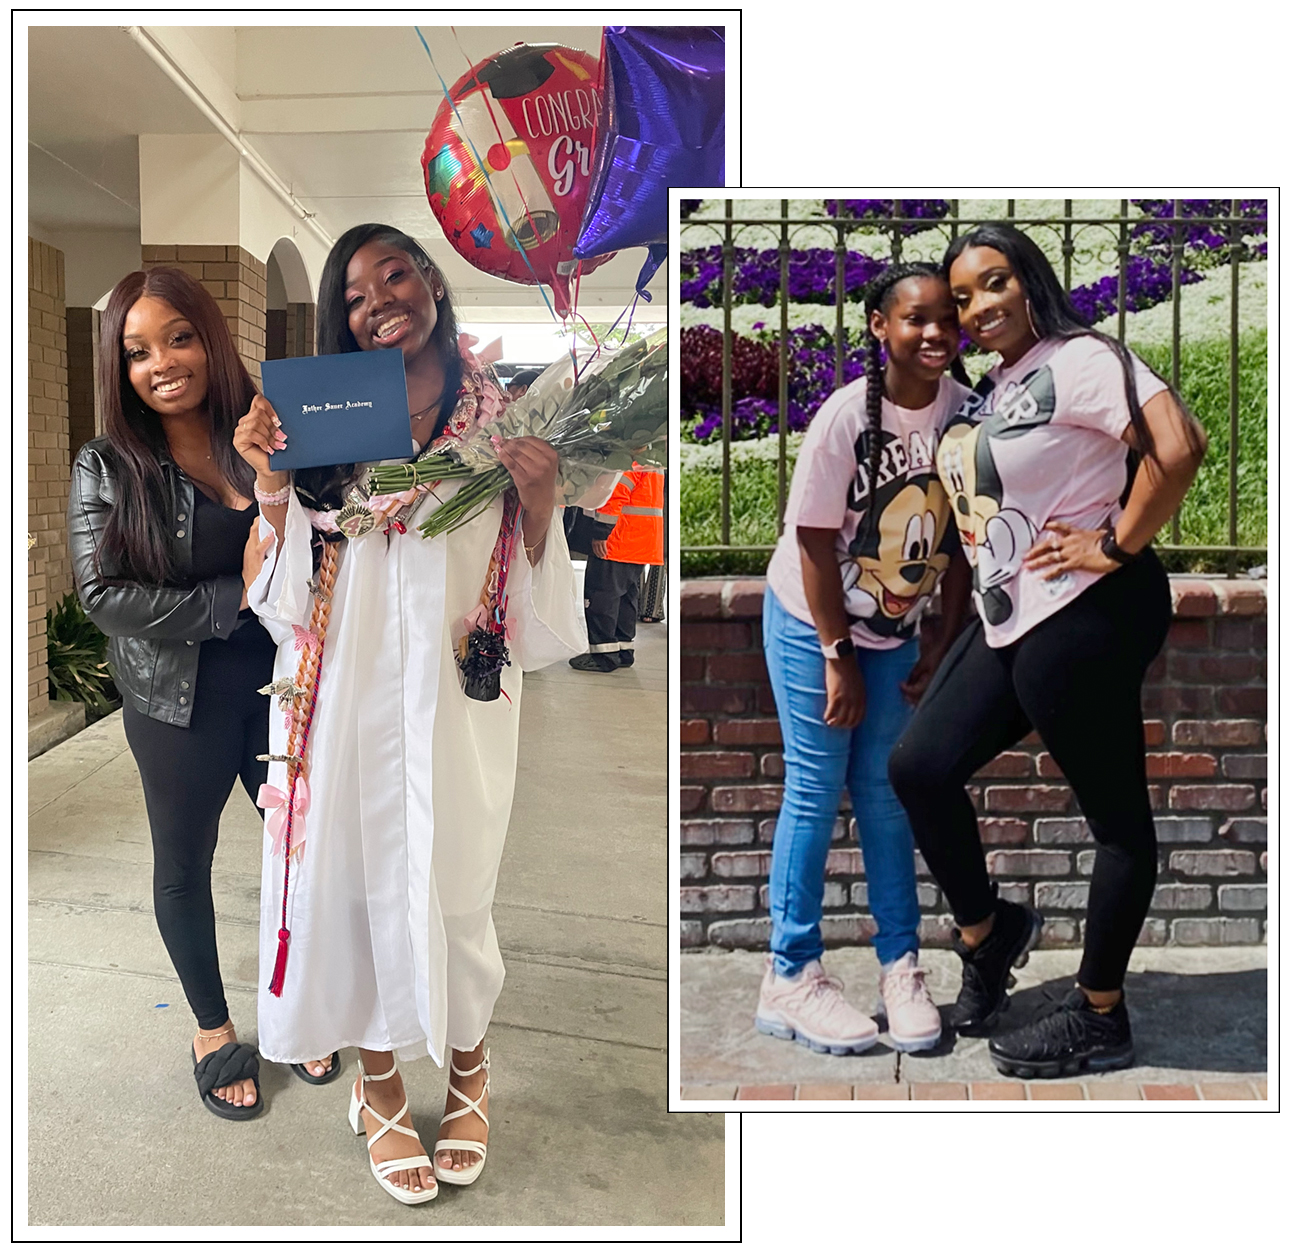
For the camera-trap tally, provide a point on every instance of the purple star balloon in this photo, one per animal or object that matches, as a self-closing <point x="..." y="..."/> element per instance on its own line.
<point x="663" y="127"/>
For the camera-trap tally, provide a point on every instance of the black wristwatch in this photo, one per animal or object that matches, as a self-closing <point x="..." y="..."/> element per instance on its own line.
<point x="839" y="650"/>
<point x="1110" y="548"/>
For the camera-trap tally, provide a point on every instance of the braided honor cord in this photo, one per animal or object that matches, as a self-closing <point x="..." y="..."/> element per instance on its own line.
<point x="308" y="674"/>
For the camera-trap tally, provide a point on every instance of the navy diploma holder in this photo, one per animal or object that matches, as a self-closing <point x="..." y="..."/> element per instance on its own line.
<point x="339" y="408"/>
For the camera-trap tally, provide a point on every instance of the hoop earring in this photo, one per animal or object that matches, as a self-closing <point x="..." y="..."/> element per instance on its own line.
<point x="1028" y="307"/>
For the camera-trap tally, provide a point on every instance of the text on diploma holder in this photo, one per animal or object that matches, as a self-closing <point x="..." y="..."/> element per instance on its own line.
<point x="333" y="406"/>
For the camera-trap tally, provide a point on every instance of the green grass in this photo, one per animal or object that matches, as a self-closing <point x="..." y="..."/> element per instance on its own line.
<point x="1205" y="386"/>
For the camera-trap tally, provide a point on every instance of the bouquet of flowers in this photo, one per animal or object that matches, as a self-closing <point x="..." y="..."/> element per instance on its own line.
<point x="599" y="414"/>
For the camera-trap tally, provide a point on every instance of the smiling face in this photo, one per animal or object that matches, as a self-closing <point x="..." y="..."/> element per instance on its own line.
<point x="991" y="302"/>
<point x="166" y="361"/>
<point x="390" y="301"/>
<point x="918" y="324"/>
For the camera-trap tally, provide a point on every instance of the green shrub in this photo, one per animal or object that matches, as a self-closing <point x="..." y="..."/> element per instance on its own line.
<point x="1205" y="386"/>
<point x="78" y="669"/>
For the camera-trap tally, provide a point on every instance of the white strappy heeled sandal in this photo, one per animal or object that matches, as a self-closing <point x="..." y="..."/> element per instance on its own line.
<point x="472" y="1173"/>
<point x="382" y="1169"/>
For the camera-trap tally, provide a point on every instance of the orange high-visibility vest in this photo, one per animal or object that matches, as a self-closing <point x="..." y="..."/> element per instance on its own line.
<point x="637" y="506"/>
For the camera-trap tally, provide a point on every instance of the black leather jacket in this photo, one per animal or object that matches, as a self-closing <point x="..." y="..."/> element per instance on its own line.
<point x="154" y="631"/>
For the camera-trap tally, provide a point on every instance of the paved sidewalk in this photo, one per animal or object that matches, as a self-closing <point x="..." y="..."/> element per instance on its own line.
<point x="1198" y="1018"/>
<point x="581" y="1135"/>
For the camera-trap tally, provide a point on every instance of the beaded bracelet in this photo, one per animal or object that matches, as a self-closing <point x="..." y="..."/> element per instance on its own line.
<point x="278" y="498"/>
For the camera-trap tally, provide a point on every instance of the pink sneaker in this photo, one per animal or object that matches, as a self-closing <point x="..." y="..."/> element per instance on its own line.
<point x="810" y="1008"/>
<point x="914" y="1023"/>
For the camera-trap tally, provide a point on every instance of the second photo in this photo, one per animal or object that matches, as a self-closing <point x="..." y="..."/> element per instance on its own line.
<point x="973" y="543"/>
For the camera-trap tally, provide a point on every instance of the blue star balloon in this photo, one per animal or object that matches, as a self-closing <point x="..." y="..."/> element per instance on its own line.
<point x="662" y="127"/>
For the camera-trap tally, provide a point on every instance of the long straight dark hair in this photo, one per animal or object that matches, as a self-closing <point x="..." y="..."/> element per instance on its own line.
<point x="1054" y="315"/>
<point x="138" y="531"/>
<point x="324" y="487"/>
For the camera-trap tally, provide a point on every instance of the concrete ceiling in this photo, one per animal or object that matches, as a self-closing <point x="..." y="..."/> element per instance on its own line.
<point x="339" y="113"/>
<point x="91" y="92"/>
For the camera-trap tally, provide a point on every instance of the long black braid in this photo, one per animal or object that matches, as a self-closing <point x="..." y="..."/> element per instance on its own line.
<point x="878" y="296"/>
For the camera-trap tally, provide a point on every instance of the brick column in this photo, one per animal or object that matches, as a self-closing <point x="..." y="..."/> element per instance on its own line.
<point x="300" y="329"/>
<point x="82" y="360"/>
<point x="236" y="280"/>
<point x="48" y="468"/>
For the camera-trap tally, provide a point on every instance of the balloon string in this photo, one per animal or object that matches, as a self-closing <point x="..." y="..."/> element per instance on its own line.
<point x="489" y="183"/>
<point x="628" y="310"/>
<point x="574" y="326"/>
<point x="489" y="108"/>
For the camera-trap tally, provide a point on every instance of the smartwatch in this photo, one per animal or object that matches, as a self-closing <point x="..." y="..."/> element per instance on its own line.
<point x="839" y="650"/>
<point x="1110" y="548"/>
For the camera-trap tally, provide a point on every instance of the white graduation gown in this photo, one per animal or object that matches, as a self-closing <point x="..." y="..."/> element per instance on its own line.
<point x="392" y="943"/>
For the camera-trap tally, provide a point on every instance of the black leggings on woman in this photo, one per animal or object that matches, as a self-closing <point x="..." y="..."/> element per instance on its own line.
<point x="1076" y="679"/>
<point x="187" y="776"/>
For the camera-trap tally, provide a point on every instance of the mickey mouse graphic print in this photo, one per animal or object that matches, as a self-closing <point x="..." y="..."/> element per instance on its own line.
<point x="891" y="562"/>
<point x="1038" y="441"/>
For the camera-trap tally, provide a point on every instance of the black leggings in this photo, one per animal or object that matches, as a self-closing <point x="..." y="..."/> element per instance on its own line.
<point x="1075" y="678"/>
<point x="187" y="776"/>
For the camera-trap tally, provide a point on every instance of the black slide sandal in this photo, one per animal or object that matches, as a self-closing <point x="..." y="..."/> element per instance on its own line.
<point x="228" y="1064"/>
<point x="327" y="1076"/>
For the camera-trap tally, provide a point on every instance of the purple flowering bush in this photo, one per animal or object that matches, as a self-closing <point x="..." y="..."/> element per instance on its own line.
<point x="1206" y="242"/>
<point x="867" y="210"/>
<point x="810" y="381"/>
<point x="1149" y="281"/>
<point x="756" y="276"/>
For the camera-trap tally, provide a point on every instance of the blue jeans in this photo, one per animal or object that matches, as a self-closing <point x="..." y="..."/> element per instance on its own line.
<point x="820" y="761"/>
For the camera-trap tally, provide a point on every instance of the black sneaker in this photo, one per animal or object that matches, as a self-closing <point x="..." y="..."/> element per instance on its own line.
<point x="1066" y="1039"/>
<point x="985" y="970"/>
<point x="626" y="659"/>
<point x="602" y="662"/>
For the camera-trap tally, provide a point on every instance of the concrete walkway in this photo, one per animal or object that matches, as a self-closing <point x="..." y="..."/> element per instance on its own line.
<point x="581" y="1134"/>
<point x="1198" y="1020"/>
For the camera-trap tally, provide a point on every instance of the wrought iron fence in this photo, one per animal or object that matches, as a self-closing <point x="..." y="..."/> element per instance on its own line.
<point x="1169" y="233"/>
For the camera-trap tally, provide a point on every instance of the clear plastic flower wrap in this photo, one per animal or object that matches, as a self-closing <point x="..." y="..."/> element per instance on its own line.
<point x="613" y="411"/>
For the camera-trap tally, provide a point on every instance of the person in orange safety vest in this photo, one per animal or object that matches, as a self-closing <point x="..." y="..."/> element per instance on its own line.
<point x="635" y="510"/>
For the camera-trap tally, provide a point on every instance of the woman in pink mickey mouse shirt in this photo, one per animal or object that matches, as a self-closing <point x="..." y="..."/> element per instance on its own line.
<point x="1073" y="607"/>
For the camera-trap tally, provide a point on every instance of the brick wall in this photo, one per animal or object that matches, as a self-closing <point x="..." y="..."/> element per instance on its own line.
<point x="48" y="467"/>
<point x="236" y="280"/>
<point x="1205" y="707"/>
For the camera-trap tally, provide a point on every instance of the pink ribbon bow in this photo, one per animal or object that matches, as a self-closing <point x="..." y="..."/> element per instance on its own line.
<point x="271" y="797"/>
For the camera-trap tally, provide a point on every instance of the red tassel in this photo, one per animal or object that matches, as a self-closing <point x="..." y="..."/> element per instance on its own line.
<point x="280" y="963"/>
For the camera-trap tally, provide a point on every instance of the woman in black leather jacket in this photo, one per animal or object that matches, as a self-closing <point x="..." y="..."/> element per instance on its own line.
<point x="161" y="523"/>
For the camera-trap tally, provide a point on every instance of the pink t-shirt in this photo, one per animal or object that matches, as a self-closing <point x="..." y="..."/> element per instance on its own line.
<point x="891" y="567"/>
<point x="1044" y="444"/>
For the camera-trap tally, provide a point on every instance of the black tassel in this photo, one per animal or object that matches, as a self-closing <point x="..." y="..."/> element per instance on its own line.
<point x="485" y="658"/>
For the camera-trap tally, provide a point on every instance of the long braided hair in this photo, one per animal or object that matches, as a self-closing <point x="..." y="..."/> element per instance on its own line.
<point x="878" y="296"/>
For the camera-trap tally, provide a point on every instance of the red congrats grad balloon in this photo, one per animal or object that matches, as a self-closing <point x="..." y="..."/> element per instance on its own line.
<point x="528" y="114"/>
